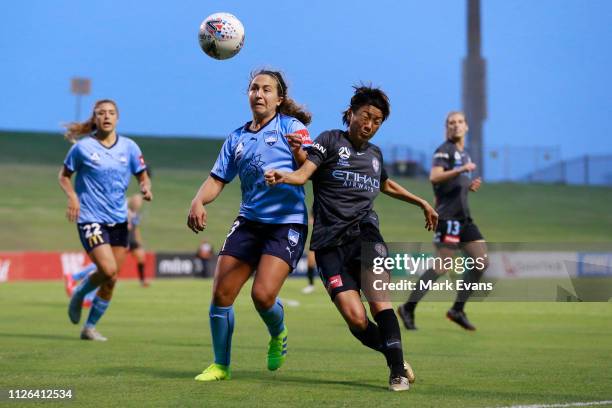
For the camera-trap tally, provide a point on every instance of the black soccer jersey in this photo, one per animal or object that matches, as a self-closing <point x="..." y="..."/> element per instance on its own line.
<point x="345" y="185"/>
<point x="452" y="195"/>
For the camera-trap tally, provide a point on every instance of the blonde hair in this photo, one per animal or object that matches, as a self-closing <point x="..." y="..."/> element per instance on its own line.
<point x="74" y="130"/>
<point x="451" y="113"/>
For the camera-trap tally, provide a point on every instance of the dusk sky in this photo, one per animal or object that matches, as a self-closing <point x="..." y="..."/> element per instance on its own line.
<point x="548" y="63"/>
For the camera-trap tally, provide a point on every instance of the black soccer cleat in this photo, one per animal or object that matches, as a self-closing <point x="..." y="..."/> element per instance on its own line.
<point x="460" y="318"/>
<point x="407" y="317"/>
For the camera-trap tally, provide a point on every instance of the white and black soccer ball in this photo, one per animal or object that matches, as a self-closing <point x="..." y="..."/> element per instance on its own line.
<point x="221" y="36"/>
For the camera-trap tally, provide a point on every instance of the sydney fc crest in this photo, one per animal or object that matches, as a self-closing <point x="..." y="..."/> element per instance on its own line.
<point x="270" y="137"/>
<point x="293" y="237"/>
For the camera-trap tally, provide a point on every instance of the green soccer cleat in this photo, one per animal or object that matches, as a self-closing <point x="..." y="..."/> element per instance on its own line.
<point x="215" y="372"/>
<point x="277" y="350"/>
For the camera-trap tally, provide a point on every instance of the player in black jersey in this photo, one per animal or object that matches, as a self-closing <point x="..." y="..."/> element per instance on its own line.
<point x="451" y="178"/>
<point x="347" y="172"/>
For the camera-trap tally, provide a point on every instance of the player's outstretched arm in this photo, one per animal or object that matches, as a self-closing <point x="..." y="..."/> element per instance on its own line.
<point x="145" y="185"/>
<point x="65" y="182"/>
<point x="296" y="178"/>
<point x="209" y="190"/>
<point x="439" y="175"/>
<point x="395" y="190"/>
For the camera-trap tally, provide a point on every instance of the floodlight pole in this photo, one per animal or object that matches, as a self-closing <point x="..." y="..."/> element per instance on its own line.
<point x="474" y="86"/>
<point x="79" y="87"/>
<point x="77" y="110"/>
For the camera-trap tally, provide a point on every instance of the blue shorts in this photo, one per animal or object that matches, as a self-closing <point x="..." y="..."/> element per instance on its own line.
<point x="93" y="234"/>
<point x="248" y="240"/>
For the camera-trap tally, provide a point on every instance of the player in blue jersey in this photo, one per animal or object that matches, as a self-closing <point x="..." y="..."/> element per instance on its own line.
<point x="104" y="163"/>
<point x="271" y="228"/>
<point x="135" y="236"/>
<point x="348" y="173"/>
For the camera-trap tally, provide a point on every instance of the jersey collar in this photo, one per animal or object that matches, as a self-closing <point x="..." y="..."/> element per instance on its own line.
<point x="246" y="126"/>
<point x="93" y="136"/>
<point x="363" y="149"/>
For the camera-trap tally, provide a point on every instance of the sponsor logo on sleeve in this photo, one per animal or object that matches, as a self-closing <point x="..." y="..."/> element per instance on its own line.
<point x="319" y="148"/>
<point x="306" y="141"/>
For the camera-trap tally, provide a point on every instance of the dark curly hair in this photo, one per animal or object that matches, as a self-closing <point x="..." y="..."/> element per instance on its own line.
<point x="367" y="95"/>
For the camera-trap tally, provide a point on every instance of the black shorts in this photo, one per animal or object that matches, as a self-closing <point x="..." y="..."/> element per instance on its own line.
<point x="93" y="234"/>
<point x="132" y="241"/>
<point x="248" y="240"/>
<point x="454" y="232"/>
<point x="340" y="267"/>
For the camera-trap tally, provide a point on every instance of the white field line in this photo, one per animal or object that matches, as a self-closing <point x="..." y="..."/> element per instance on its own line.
<point x="563" y="405"/>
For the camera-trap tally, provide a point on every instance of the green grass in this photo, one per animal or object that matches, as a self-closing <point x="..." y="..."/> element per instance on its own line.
<point x="523" y="353"/>
<point x="159" y="340"/>
<point x="32" y="205"/>
<point x="32" y="210"/>
<point x="162" y="152"/>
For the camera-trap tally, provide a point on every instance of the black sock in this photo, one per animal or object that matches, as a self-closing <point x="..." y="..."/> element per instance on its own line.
<point x="310" y="274"/>
<point x="370" y="337"/>
<point x="429" y="276"/>
<point x="472" y="276"/>
<point x="392" y="340"/>
<point x="141" y="271"/>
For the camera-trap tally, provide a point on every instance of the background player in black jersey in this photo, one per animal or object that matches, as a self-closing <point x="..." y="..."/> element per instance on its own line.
<point x="348" y="173"/>
<point x="451" y="178"/>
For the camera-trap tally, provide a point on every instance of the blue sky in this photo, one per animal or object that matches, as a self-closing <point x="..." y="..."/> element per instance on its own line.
<point x="548" y="62"/>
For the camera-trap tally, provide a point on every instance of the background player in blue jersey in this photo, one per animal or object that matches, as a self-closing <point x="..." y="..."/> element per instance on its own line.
<point x="271" y="228"/>
<point x="104" y="163"/>
<point x="451" y="179"/>
<point x="135" y="236"/>
<point x="348" y="172"/>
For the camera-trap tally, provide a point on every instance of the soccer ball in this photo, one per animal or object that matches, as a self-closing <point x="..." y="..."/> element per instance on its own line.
<point x="221" y="36"/>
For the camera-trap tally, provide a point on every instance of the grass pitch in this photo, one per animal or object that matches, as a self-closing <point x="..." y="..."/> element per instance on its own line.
<point x="522" y="353"/>
<point x="159" y="340"/>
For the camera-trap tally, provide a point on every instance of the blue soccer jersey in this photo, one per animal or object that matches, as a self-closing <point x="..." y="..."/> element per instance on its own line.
<point x="102" y="177"/>
<point x="249" y="154"/>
